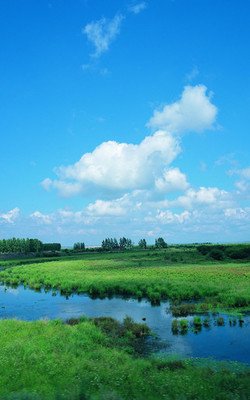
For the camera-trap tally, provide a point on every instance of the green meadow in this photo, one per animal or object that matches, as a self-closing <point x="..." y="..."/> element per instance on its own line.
<point x="53" y="360"/>
<point x="175" y="274"/>
<point x="98" y="359"/>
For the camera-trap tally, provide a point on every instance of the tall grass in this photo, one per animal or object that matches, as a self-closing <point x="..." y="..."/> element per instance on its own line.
<point x="51" y="360"/>
<point x="141" y="274"/>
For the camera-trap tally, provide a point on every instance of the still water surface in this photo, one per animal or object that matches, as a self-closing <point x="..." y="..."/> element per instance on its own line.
<point x="220" y="342"/>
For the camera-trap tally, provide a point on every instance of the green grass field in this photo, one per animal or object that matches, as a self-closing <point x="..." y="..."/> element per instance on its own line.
<point x="53" y="361"/>
<point x="152" y="274"/>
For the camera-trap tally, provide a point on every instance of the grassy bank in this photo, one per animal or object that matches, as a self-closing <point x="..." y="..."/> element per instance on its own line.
<point x="143" y="274"/>
<point x="53" y="360"/>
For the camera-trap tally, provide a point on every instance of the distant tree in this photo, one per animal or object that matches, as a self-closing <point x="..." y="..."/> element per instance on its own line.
<point x="112" y="244"/>
<point x="160" y="243"/>
<point x="79" y="246"/>
<point x="125" y="243"/>
<point x="51" y="246"/>
<point x="109" y="244"/>
<point x="25" y="246"/>
<point x="142" y="244"/>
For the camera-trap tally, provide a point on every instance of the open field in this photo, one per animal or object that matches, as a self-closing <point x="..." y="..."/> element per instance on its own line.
<point x="157" y="275"/>
<point x="53" y="360"/>
<point x="91" y="360"/>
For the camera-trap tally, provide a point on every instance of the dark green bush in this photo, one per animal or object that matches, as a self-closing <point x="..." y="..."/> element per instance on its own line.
<point x="239" y="252"/>
<point x="183" y="310"/>
<point x="217" y="254"/>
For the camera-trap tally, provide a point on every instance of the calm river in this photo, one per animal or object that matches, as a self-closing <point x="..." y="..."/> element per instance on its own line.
<point x="228" y="342"/>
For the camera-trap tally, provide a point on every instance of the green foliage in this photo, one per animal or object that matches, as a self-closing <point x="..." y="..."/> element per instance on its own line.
<point x="51" y="360"/>
<point x="24" y="246"/>
<point x="79" y="246"/>
<point x="110" y="244"/>
<point x="125" y="243"/>
<point x="219" y="252"/>
<point x="197" y="322"/>
<point x="51" y="246"/>
<point x="183" y="310"/>
<point x="142" y="243"/>
<point x="240" y="252"/>
<point x="184" y="325"/>
<point x="128" y="334"/>
<point x="175" y="326"/>
<point x="206" y="248"/>
<point x="160" y="243"/>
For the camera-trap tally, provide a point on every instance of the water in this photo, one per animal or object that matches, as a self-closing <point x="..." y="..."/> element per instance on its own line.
<point x="220" y="342"/>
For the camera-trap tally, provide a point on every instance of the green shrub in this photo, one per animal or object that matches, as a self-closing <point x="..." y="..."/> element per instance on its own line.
<point x="183" y="325"/>
<point x="217" y="254"/>
<point x="175" y="326"/>
<point x="183" y="310"/>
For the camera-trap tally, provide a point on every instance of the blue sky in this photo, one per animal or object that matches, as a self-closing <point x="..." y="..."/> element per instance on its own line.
<point x="125" y="118"/>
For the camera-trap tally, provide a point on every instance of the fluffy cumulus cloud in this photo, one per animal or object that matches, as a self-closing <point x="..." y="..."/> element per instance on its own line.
<point x="123" y="167"/>
<point x="172" y="179"/>
<point x="10" y="216"/>
<point x="193" y="112"/>
<point x="106" y="207"/>
<point x="120" y="166"/>
<point x="102" y="33"/>
<point x="204" y="196"/>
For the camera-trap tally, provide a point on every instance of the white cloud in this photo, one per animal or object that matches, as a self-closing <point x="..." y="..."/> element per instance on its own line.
<point x="102" y="33"/>
<point x="193" y="112"/>
<point x="10" y="216"/>
<point x="206" y="196"/>
<point x="243" y="186"/>
<point x="173" y="179"/>
<point x="238" y="213"/>
<point x="244" y="173"/>
<point x="119" y="166"/>
<point x="137" y="8"/>
<point x="41" y="218"/>
<point x="168" y="217"/>
<point x="103" y="208"/>
<point x="66" y="189"/>
<point x="205" y="214"/>
<point x="47" y="183"/>
<point x="63" y="217"/>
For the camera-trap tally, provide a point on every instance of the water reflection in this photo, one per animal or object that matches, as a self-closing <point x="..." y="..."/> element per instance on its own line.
<point x="227" y="342"/>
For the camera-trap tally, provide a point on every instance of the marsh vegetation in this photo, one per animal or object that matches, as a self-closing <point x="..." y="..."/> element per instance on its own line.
<point x="104" y="358"/>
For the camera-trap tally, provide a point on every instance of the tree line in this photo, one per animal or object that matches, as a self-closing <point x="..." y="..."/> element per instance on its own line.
<point x="112" y="244"/>
<point x="26" y="246"/>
